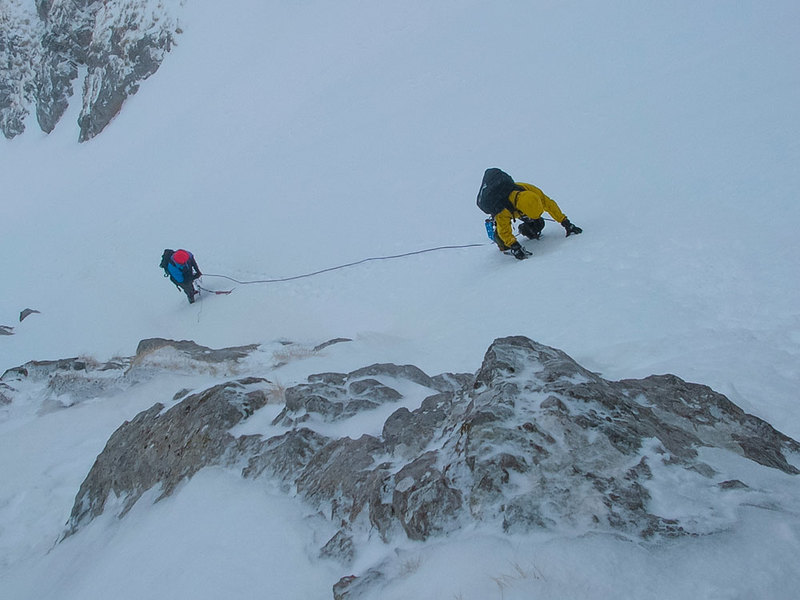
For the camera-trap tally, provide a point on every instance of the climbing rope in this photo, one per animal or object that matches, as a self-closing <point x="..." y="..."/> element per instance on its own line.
<point x="336" y="268"/>
<point x="200" y="287"/>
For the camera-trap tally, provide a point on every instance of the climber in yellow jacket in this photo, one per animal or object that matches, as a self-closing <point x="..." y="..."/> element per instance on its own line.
<point x="527" y="204"/>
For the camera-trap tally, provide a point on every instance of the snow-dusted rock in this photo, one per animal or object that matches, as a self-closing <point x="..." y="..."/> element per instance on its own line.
<point x="532" y="440"/>
<point x="5" y="396"/>
<point x="55" y="384"/>
<point x="129" y="40"/>
<point x="118" y="43"/>
<point x="544" y="443"/>
<point x="153" y="347"/>
<point x="163" y="448"/>
<point x="407" y="433"/>
<point x="284" y="456"/>
<point x="337" y="396"/>
<point x="20" y="47"/>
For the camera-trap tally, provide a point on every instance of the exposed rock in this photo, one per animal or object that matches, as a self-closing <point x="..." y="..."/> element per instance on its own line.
<point x="324" y="345"/>
<point x="286" y="455"/>
<point x="6" y="330"/>
<point x="340" y="547"/>
<point x="20" y="32"/>
<point x="165" y="447"/>
<point x="584" y="433"/>
<point x="119" y="43"/>
<point x="532" y="440"/>
<point x="338" y="396"/>
<point x="43" y="369"/>
<point x="343" y="588"/>
<point x="423" y="498"/>
<point x="180" y="394"/>
<point x="407" y="433"/>
<point x="26" y="313"/>
<point x="67" y="33"/>
<point x="5" y="393"/>
<point x="67" y="382"/>
<point x="733" y="484"/>
<point x="352" y="587"/>
<point x="128" y="43"/>
<point x="544" y="442"/>
<point x="712" y="418"/>
<point x="342" y="476"/>
<point x="193" y="351"/>
<point x="407" y="372"/>
<point x="369" y="584"/>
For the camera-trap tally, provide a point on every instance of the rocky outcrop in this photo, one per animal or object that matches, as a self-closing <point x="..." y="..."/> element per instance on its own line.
<point x="532" y="440"/>
<point x="191" y="351"/>
<point x="57" y="384"/>
<point x="62" y="383"/>
<point x="20" y="52"/>
<point x="25" y="313"/>
<point x="544" y="443"/>
<point x="128" y="44"/>
<point x="119" y="43"/>
<point x="5" y="396"/>
<point x="163" y="448"/>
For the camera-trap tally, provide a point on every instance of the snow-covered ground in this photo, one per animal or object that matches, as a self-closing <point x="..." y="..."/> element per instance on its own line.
<point x="279" y="139"/>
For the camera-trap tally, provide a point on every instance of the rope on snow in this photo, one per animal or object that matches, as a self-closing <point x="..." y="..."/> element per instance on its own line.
<point x="329" y="269"/>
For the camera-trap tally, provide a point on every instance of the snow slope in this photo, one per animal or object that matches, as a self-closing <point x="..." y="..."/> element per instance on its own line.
<point x="278" y="139"/>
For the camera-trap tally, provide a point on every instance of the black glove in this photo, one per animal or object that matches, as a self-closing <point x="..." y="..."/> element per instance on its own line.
<point x="197" y="275"/>
<point x="518" y="252"/>
<point x="570" y="228"/>
<point x="531" y="228"/>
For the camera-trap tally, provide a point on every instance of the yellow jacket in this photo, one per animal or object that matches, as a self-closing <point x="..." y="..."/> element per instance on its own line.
<point x="530" y="201"/>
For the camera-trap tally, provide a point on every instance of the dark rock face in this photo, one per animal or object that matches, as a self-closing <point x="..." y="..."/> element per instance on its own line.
<point x="165" y="448"/>
<point x="713" y="419"/>
<point x="338" y="396"/>
<point x="19" y="55"/>
<point x="194" y="351"/>
<point x="122" y="52"/>
<point x="23" y="314"/>
<point x="334" y="396"/>
<point x="285" y="455"/>
<point x="119" y="42"/>
<point x="532" y="440"/>
<point x="407" y="434"/>
<point x="67" y="28"/>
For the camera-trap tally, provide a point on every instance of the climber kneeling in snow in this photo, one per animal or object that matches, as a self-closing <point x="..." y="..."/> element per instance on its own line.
<point x="504" y="199"/>
<point x="181" y="268"/>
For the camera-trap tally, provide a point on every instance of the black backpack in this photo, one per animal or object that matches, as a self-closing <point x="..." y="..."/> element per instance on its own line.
<point x="496" y="186"/>
<point x="166" y="257"/>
